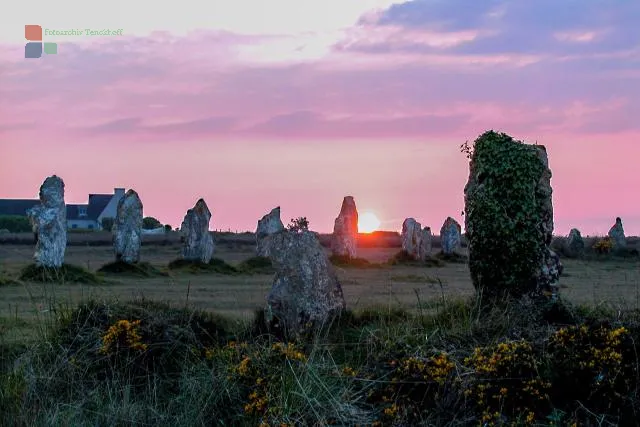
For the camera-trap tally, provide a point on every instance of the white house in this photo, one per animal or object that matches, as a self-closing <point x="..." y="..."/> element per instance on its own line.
<point x="87" y="216"/>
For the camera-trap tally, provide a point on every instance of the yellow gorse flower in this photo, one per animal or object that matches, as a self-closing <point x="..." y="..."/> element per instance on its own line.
<point x="123" y="333"/>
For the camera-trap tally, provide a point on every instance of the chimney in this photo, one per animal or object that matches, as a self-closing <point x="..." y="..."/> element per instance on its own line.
<point x="118" y="192"/>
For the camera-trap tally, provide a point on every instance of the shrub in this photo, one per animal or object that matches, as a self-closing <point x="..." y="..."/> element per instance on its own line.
<point x="107" y="223"/>
<point x="502" y="215"/>
<point x="603" y="246"/>
<point x="595" y="364"/>
<point x="15" y="223"/>
<point x="506" y="382"/>
<point x="150" y="223"/>
<point x="298" y="224"/>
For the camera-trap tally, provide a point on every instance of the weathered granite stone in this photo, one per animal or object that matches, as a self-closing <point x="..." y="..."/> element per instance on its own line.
<point x="198" y="241"/>
<point x="49" y="223"/>
<point x="267" y="225"/>
<point x="127" y="228"/>
<point x="412" y="238"/>
<point x="450" y="236"/>
<point x="616" y="233"/>
<point x="345" y="230"/>
<point x="306" y="292"/>
<point x="575" y="243"/>
<point x="425" y="243"/>
<point x="508" y="234"/>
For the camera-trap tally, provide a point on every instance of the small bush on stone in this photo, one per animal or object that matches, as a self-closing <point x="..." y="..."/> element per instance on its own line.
<point x="298" y="224"/>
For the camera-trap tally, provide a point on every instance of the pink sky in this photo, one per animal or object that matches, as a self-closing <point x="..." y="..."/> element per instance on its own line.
<point x="365" y="98"/>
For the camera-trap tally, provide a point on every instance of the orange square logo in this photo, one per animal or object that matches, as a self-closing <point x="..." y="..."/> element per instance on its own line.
<point x="33" y="32"/>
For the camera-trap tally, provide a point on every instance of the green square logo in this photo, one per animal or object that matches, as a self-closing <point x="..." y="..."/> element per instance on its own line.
<point x="51" y="48"/>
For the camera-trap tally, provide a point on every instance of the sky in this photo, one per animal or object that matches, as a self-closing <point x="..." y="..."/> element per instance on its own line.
<point x="297" y="103"/>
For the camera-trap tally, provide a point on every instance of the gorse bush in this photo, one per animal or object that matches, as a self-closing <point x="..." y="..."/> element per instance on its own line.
<point x="503" y="218"/>
<point x="603" y="246"/>
<point x="459" y="363"/>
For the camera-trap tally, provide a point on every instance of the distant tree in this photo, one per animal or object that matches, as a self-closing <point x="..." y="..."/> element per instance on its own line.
<point x="298" y="224"/>
<point x="167" y="228"/>
<point x="107" y="223"/>
<point x="149" y="223"/>
<point x="15" y="223"/>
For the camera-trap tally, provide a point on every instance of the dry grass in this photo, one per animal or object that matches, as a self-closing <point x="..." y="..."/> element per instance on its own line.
<point x="614" y="282"/>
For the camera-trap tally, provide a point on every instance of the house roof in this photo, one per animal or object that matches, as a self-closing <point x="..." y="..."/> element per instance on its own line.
<point x="97" y="203"/>
<point x="17" y="206"/>
<point x="73" y="211"/>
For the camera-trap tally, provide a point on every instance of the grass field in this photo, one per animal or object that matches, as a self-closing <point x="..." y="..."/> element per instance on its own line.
<point x="415" y="347"/>
<point x="595" y="282"/>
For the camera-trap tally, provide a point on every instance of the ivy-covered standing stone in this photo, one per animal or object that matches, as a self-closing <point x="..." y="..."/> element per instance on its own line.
<point x="509" y="218"/>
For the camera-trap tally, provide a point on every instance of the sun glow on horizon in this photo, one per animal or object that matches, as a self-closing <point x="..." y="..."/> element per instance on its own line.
<point x="368" y="222"/>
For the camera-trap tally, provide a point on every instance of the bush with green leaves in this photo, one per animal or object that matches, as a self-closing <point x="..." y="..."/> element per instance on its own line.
<point x="506" y="215"/>
<point x="15" y="223"/>
<point x="107" y="223"/>
<point x="150" y="223"/>
<point x="298" y="224"/>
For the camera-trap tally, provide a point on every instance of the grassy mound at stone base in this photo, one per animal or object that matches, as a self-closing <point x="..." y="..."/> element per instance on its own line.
<point x="454" y="258"/>
<point x="403" y="258"/>
<point x="139" y="269"/>
<point x="346" y="262"/>
<point x="253" y="265"/>
<point x="67" y="273"/>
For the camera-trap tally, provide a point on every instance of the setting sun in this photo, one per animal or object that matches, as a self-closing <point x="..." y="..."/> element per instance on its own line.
<point x="368" y="222"/>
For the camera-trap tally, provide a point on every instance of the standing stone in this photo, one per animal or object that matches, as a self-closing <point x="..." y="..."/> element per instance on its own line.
<point x="306" y="292"/>
<point x="450" y="236"/>
<point x="345" y="230"/>
<point x="509" y="218"/>
<point x="575" y="243"/>
<point x="267" y="225"/>
<point x="49" y="223"/>
<point x="616" y="233"/>
<point x="425" y="244"/>
<point x="127" y="228"/>
<point x="198" y="241"/>
<point x="412" y="238"/>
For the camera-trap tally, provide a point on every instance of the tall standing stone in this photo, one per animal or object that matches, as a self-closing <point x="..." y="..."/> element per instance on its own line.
<point x="509" y="218"/>
<point x="450" y="236"/>
<point x="267" y="225"/>
<point x="306" y="292"/>
<point x="345" y="230"/>
<point x="49" y="223"/>
<point x="411" y="238"/>
<point x="616" y="233"/>
<point x="575" y="243"/>
<point x="198" y="241"/>
<point x="425" y="243"/>
<point x="127" y="228"/>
